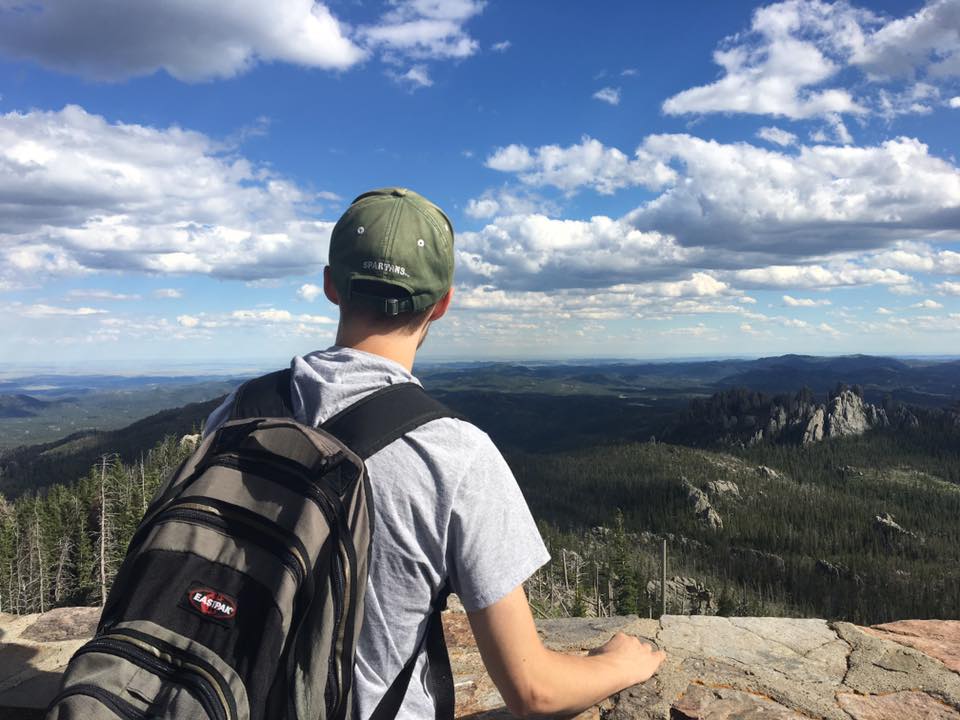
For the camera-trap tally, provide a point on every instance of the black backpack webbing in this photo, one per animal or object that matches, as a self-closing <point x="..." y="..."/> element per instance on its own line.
<point x="367" y="426"/>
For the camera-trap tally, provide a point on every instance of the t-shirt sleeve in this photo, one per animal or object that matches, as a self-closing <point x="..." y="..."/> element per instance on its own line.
<point x="493" y="544"/>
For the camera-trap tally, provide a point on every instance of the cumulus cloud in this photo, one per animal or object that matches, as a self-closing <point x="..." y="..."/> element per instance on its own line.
<point x="791" y="49"/>
<point x="94" y="294"/>
<point x="587" y="164"/>
<point x="949" y="288"/>
<point x="309" y="292"/>
<point x="502" y="46"/>
<point x="790" y="62"/>
<point x="917" y="257"/>
<point x="537" y="252"/>
<point x="927" y="42"/>
<point x="418" y="76"/>
<point x="823" y="199"/>
<point x="816" y="276"/>
<point x="955" y="102"/>
<point x="697" y="294"/>
<point x="803" y="302"/>
<point x="508" y="201"/>
<point x="424" y="29"/>
<point x="778" y="136"/>
<point x="82" y="194"/>
<point x="168" y="293"/>
<point x="927" y="305"/>
<point x="609" y="95"/>
<point x="193" y="41"/>
<point x="41" y="310"/>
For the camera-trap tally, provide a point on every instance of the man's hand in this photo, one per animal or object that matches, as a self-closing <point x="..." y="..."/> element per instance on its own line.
<point x="537" y="682"/>
<point x="631" y="659"/>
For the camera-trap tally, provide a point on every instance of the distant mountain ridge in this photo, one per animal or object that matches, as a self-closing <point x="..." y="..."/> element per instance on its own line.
<point x="747" y="417"/>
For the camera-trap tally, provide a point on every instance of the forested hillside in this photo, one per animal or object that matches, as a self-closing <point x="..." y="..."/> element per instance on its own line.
<point x="860" y="528"/>
<point x="62" y="546"/>
<point x="864" y="529"/>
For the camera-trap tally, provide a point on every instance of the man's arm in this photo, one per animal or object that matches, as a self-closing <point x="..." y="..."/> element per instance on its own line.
<point x="535" y="681"/>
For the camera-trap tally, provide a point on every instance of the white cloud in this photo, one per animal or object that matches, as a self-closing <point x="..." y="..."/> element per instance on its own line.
<point x="834" y="131"/>
<point x="772" y="70"/>
<point x="926" y="42"/>
<point x="81" y="194"/>
<point x="927" y="305"/>
<point x="100" y="295"/>
<point x="917" y="257"/>
<point x="309" y="292"/>
<point x="883" y="311"/>
<point x="906" y="289"/>
<point x="588" y="164"/>
<point x="41" y="310"/>
<point x="537" y="252"/>
<point x="699" y="330"/>
<point x="193" y="41"/>
<point x="501" y="46"/>
<point x="829" y="330"/>
<point x="609" y="95"/>
<point x="784" y="64"/>
<point x="188" y="321"/>
<point x="803" y="302"/>
<point x="508" y="202"/>
<point x="955" y="102"/>
<point x="949" y="288"/>
<point x="424" y="29"/>
<point x="168" y="293"/>
<point x="418" y="76"/>
<point x="273" y="315"/>
<point x="777" y="136"/>
<point x="482" y="208"/>
<point x="822" y="200"/>
<point x="816" y="276"/>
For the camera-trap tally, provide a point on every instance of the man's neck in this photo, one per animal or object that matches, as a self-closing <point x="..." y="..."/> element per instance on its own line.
<point x="400" y="349"/>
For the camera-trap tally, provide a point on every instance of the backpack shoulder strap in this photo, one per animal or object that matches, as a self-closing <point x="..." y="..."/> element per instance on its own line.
<point x="375" y="421"/>
<point x="439" y="677"/>
<point x="369" y="425"/>
<point x="265" y="396"/>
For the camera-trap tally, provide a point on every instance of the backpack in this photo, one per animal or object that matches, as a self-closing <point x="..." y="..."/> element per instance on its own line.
<point x="241" y="594"/>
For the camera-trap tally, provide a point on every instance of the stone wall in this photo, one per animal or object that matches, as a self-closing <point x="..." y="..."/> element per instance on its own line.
<point x="716" y="669"/>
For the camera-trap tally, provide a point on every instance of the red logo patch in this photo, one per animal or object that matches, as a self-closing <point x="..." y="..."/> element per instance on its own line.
<point x="212" y="604"/>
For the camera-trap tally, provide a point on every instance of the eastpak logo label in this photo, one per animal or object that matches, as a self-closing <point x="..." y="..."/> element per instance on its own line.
<point x="210" y="603"/>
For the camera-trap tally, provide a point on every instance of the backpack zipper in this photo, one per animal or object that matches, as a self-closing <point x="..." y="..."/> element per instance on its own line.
<point x="266" y="468"/>
<point x="229" y="519"/>
<point x="169" y="663"/>
<point x="117" y="705"/>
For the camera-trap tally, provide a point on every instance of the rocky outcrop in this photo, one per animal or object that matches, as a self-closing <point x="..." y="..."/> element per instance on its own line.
<point x="742" y="417"/>
<point x="893" y="534"/>
<point x="716" y="668"/>
<point x="702" y="509"/>
<point x="684" y="595"/>
<point x="718" y="488"/>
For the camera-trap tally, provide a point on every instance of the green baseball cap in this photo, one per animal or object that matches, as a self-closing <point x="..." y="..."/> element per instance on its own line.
<point x="394" y="240"/>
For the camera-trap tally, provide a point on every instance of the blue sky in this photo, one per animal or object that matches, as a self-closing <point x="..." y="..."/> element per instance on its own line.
<point x="626" y="180"/>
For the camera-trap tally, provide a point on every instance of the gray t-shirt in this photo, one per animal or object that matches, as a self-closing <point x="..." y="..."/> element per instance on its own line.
<point x="446" y="506"/>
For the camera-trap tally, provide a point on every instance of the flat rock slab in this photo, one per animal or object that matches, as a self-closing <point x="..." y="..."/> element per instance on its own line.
<point x="806" y="651"/>
<point x="896" y="706"/>
<point x="716" y="668"/>
<point x="34" y="650"/>
<point x="936" y="638"/>
<point x="702" y="703"/>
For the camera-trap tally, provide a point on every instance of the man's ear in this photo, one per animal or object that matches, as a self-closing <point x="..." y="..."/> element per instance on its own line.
<point x="329" y="289"/>
<point x="440" y="309"/>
